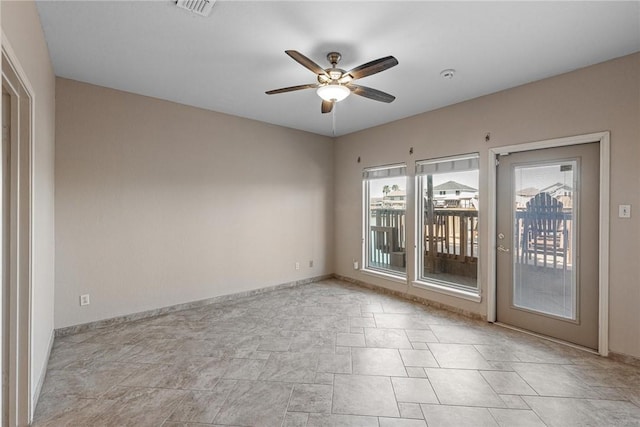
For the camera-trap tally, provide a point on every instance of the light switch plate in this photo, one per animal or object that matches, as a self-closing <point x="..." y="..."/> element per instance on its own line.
<point x="624" y="211"/>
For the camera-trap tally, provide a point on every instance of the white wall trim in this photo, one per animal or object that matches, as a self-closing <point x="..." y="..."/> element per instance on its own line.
<point x="384" y="275"/>
<point x="43" y="373"/>
<point x="448" y="290"/>
<point x="133" y="317"/>
<point x="22" y="160"/>
<point x="603" y="255"/>
<point x="603" y="252"/>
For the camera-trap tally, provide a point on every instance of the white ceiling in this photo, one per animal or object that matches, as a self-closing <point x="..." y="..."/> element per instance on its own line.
<point x="226" y="62"/>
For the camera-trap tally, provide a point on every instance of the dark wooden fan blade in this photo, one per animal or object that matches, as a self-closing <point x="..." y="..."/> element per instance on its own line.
<point x="306" y="62"/>
<point x="327" y="106"/>
<point x="291" y="89"/>
<point x="367" y="92"/>
<point x="373" y="67"/>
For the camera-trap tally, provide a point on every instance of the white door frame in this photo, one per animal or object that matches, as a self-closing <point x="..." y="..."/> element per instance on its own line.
<point x="603" y="220"/>
<point x="21" y="235"/>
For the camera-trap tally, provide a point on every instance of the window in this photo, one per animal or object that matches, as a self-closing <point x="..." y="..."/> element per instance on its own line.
<point x="385" y="208"/>
<point x="448" y="230"/>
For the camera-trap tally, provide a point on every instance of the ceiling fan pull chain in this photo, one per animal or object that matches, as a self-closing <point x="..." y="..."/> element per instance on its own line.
<point x="333" y="118"/>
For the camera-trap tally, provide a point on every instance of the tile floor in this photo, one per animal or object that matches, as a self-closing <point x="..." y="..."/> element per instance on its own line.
<point x="328" y="354"/>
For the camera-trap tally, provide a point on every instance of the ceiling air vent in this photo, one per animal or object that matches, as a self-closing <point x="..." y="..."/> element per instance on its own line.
<point x="200" y="7"/>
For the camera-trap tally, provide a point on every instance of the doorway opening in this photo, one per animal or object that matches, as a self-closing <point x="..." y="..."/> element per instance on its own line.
<point x="16" y="199"/>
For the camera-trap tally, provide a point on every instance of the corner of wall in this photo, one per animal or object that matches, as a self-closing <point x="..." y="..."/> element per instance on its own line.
<point x="22" y="30"/>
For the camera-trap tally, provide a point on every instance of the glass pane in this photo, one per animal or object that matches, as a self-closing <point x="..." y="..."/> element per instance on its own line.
<point x="386" y="245"/>
<point x="450" y="228"/>
<point x="544" y="241"/>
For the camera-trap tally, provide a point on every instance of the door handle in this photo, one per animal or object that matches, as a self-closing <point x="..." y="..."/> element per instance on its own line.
<point x="502" y="249"/>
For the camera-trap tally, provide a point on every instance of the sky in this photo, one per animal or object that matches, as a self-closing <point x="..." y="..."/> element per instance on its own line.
<point x="544" y="175"/>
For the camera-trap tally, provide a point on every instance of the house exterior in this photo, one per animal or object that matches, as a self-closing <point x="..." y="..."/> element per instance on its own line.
<point x="452" y="194"/>
<point x="396" y="199"/>
<point x="560" y="191"/>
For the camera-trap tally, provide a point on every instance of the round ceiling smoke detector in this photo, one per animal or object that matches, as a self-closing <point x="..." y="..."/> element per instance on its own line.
<point x="448" y="73"/>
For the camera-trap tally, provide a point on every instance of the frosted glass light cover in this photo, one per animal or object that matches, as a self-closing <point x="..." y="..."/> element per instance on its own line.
<point x="333" y="92"/>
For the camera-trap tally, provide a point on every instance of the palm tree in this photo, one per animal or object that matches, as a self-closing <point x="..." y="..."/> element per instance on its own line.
<point x="386" y="190"/>
<point x="395" y="187"/>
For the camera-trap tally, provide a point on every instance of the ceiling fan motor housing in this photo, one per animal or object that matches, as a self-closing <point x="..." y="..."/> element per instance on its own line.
<point x="334" y="58"/>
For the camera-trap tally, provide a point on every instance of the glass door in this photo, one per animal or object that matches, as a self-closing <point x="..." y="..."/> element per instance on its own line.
<point x="547" y="242"/>
<point x="544" y="273"/>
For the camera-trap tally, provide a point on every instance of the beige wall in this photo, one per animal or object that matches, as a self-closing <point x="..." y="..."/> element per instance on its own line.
<point x="21" y="26"/>
<point x="598" y="98"/>
<point x="159" y="203"/>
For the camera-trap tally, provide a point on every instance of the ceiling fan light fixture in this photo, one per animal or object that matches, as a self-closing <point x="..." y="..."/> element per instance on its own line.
<point x="333" y="92"/>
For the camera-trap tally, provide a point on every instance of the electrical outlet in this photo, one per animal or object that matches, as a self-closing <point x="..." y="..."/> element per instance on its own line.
<point x="84" y="299"/>
<point x="297" y="266"/>
<point x="310" y="263"/>
<point x="355" y="265"/>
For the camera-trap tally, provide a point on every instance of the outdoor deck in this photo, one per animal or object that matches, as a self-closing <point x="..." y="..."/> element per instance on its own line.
<point x="452" y="234"/>
<point x="543" y="242"/>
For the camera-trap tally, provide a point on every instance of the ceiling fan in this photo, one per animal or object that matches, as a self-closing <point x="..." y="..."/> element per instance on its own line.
<point x="335" y="84"/>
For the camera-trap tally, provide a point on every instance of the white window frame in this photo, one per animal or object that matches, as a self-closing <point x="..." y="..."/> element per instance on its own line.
<point x="369" y="174"/>
<point x="459" y="163"/>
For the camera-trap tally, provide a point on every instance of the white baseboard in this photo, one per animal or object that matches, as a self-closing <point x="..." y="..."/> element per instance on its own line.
<point x="43" y="374"/>
<point x="98" y="324"/>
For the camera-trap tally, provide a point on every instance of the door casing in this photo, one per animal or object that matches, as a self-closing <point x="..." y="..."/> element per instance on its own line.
<point x="21" y="235"/>
<point x="603" y="138"/>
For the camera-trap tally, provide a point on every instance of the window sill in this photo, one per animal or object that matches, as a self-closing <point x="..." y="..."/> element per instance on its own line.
<point x="458" y="293"/>
<point x="385" y="275"/>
